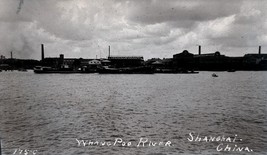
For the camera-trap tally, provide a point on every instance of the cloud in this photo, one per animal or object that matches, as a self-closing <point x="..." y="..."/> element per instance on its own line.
<point x="153" y="28"/>
<point x="182" y="13"/>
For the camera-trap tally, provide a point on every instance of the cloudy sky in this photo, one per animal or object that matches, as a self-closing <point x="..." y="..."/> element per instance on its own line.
<point x="151" y="28"/>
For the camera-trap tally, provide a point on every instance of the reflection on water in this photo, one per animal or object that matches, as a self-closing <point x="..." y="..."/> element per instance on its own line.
<point x="49" y="112"/>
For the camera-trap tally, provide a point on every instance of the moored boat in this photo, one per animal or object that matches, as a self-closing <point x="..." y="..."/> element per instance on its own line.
<point x="172" y="71"/>
<point x="128" y="70"/>
<point x="41" y="69"/>
<point x="214" y="75"/>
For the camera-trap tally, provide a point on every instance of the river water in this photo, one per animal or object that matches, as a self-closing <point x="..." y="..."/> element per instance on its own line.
<point x="53" y="113"/>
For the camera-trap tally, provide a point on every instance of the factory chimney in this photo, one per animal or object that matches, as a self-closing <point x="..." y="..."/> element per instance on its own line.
<point x="259" y="49"/>
<point x="42" y="50"/>
<point x="11" y="55"/>
<point x="199" y="49"/>
<point x="108" y="51"/>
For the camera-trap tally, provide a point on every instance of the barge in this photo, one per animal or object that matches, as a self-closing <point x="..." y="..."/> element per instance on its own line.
<point x="46" y="70"/>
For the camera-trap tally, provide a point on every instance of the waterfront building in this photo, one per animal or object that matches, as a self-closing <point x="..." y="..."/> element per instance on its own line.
<point x="211" y="61"/>
<point x="94" y="64"/>
<point x="51" y="62"/>
<point x="2" y="57"/>
<point x="234" y="63"/>
<point x="255" y="61"/>
<point x="183" y="61"/>
<point x="126" y="61"/>
<point x="167" y="63"/>
<point x="157" y="64"/>
<point x="105" y="62"/>
<point x="5" y="67"/>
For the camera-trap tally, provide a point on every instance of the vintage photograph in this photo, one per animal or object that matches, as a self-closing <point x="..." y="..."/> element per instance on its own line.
<point x="133" y="77"/>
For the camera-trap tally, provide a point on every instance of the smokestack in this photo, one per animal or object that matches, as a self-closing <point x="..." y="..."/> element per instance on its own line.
<point x="259" y="49"/>
<point x="199" y="49"/>
<point x="11" y="55"/>
<point x="61" y="56"/>
<point x="61" y="59"/>
<point x="108" y="51"/>
<point x="42" y="50"/>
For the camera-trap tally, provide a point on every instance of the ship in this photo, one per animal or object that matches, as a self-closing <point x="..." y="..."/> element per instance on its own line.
<point x="172" y="71"/>
<point x="127" y="70"/>
<point x="41" y="69"/>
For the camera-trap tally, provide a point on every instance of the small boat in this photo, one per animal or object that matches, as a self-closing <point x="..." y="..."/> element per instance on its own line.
<point x="214" y="75"/>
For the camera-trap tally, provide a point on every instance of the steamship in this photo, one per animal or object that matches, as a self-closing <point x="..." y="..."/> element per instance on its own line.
<point x="128" y="70"/>
<point x="41" y="69"/>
